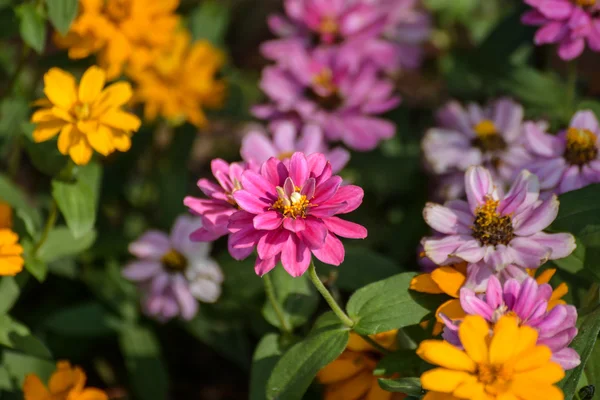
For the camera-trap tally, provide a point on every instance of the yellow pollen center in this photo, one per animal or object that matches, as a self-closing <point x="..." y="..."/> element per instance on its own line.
<point x="487" y="137"/>
<point x="237" y="185"/>
<point x="328" y="26"/>
<point x="293" y="206"/>
<point x="581" y="146"/>
<point x="495" y="377"/>
<point x="485" y="128"/>
<point x="585" y="3"/>
<point x="82" y="111"/>
<point x="491" y="228"/>
<point x="324" y="79"/>
<point x="285" y="155"/>
<point x="174" y="261"/>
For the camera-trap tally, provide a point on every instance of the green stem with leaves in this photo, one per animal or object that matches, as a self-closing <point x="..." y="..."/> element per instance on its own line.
<point x="312" y="272"/>
<point x="571" y="87"/>
<point x="269" y="289"/>
<point x="53" y="214"/>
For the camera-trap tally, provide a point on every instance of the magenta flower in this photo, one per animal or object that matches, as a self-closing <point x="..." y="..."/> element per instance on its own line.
<point x="569" y="160"/>
<point x="495" y="228"/>
<point x="173" y="272"/>
<point x="530" y="302"/>
<point x="258" y="147"/>
<point x="322" y="89"/>
<point x="569" y="23"/>
<point x="289" y="212"/>
<point x="490" y="136"/>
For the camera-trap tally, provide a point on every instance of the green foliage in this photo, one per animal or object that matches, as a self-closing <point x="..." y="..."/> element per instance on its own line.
<point x="409" y="386"/>
<point x="32" y="25"/>
<point x="267" y="354"/>
<point x="9" y="293"/>
<point x="88" y="319"/>
<point x="62" y="13"/>
<point x="209" y="22"/>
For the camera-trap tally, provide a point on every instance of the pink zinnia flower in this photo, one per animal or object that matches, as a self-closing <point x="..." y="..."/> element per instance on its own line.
<point x="490" y="136"/>
<point x="531" y="303"/>
<point x="495" y="228"/>
<point x="173" y="272"/>
<point x="569" y="23"/>
<point x="321" y="88"/>
<point x="569" y="160"/>
<point x="216" y="210"/>
<point x="287" y="139"/>
<point x="289" y="212"/>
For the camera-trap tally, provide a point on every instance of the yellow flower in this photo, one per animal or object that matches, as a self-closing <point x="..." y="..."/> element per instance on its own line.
<point x="181" y="82"/>
<point x="504" y="364"/>
<point x="11" y="259"/>
<point x="87" y="116"/>
<point x="557" y="294"/>
<point x="5" y="215"/>
<point x="66" y="383"/>
<point x="350" y="376"/>
<point x="121" y="32"/>
<point x="446" y="279"/>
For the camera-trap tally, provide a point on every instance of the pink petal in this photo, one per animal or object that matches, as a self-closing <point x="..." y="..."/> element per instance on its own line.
<point x="540" y="142"/>
<point x="250" y="202"/>
<point x="314" y="234"/>
<point x="141" y="270"/>
<point x="274" y="171"/>
<point x="259" y="186"/>
<point x="446" y="220"/>
<point x="268" y="221"/>
<point x="538" y="219"/>
<point x="316" y="164"/>
<point x="238" y="253"/>
<point x="552" y="32"/>
<point x="204" y="235"/>
<point x="440" y="249"/>
<point x="344" y="228"/>
<point x="572" y="179"/>
<point x="262" y="267"/>
<point x="471" y="251"/>
<point x="272" y="243"/>
<point x="294" y="224"/>
<point x="523" y="193"/>
<point x="350" y="194"/>
<point x="151" y="245"/>
<point x="308" y="189"/>
<point x="585" y="119"/>
<point x="569" y="49"/>
<point x="326" y="190"/>
<point x="474" y="305"/>
<point x="493" y="294"/>
<point x="479" y="185"/>
<point x="295" y="258"/>
<point x="299" y="168"/>
<point x="332" y="251"/>
<point x="188" y="304"/>
<point x="562" y="244"/>
<point x="527" y="253"/>
<point x="556" y="9"/>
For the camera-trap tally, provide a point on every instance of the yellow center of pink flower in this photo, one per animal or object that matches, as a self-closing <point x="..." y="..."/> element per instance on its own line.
<point x="487" y="137"/>
<point x="285" y="155"/>
<point x="585" y="3"/>
<point x="237" y="185"/>
<point x="174" y="261"/>
<point x="491" y="228"/>
<point x="581" y="146"/>
<point x="325" y="92"/>
<point x="293" y="206"/>
<point x="328" y="26"/>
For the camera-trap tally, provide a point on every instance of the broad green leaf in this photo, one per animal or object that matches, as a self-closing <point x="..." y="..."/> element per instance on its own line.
<point x="9" y="293"/>
<point x="10" y="327"/>
<point x="143" y="360"/>
<point x="388" y="304"/>
<point x="575" y="262"/>
<point x="5" y="381"/>
<point x="61" y="243"/>
<point x="297" y="298"/>
<point x="13" y="195"/>
<point x="78" y="200"/>
<point x="297" y="368"/>
<point x="363" y="266"/>
<point x="583" y="344"/>
<point x="35" y="266"/>
<point x="20" y="365"/>
<point x="267" y="353"/>
<point x="32" y="26"/>
<point x="409" y="386"/>
<point x="13" y="111"/>
<point x="87" y="319"/>
<point x="592" y="368"/>
<point x="404" y="362"/>
<point x="44" y="156"/>
<point x="61" y="13"/>
<point x="209" y="21"/>
<point x="578" y="210"/>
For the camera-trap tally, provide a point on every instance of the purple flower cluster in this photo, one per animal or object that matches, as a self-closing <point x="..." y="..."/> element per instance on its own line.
<point x="330" y="58"/>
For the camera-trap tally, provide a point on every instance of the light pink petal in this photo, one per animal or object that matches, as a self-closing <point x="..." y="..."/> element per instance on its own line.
<point x="549" y="171"/>
<point x="540" y="218"/>
<point x="258" y="186"/>
<point x="268" y="221"/>
<point x="294" y="224"/>
<point x="332" y="251"/>
<point x="284" y="137"/>
<point x="249" y="202"/>
<point x="540" y="142"/>
<point x="204" y="235"/>
<point x="440" y="249"/>
<point x="523" y="193"/>
<point x="479" y="185"/>
<point x="351" y="195"/>
<point x="552" y="32"/>
<point x="345" y="229"/>
<point x="151" y="245"/>
<point x="296" y="256"/>
<point x="262" y="267"/>
<point x="556" y="9"/>
<point x="567" y="358"/>
<point x="471" y="251"/>
<point x="493" y="294"/>
<point x="473" y="305"/>
<point x="528" y="253"/>
<point x="326" y="190"/>
<point x="299" y="168"/>
<point x="572" y="179"/>
<point x="141" y="270"/>
<point x="187" y="303"/>
<point x="274" y="171"/>
<point x="585" y="119"/>
<point x="446" y="220"/>
<point x="562" y="244"/>
<point x="569" y="49"/>
<point x="257" y="146"/>
<point x="272" y="243"/>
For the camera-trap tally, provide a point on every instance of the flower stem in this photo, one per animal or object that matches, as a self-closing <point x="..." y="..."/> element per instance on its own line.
<point x="571" y="86"/>
<point x="376" y="345"/>
<point x="276" y="306"/>
<point x="312" y="272"/>
<point x="49" y="225"/>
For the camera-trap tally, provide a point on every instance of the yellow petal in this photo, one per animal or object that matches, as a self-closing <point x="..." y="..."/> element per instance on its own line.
<point x="474" y="332"/>
<point x="525" y="390"/>
<point x="350" y="389"/>
<point x="47" y="130"/>
<point x="470" y="390"/>
<point x="11" y="265"/>
<point x="34" y="389"/>
<point x="451" y="309"/>
<point x="91" y="84"/>
<point x="442" y="353"/>
<point x="92" y="394"/>
<point x="385" y="339"/>
<point x="444" y="380"/>
<point x="8" y="237"/>
<point x="424" y="283"/>
<point x="101" y="140"/>
<point x="533" y="358"/>
<point x="506" y="396"/>
<point x="87" y="127"/>
<point x="560" y="291"/>
<point x="120" y="120"/>
<point x="121" y="141"/>
<point x="502" y="346"/>
<point x="62" y="114"/>
<point x="449" y="280"/>
<point x="527" y="340"/>
<point x="114" y="96"/>
<point x="68" y="137"/>
<point x="377" y="393"/>
<point x="60" y="88"/>
<point x="545" y="276"/>
<point x="65" y="378"/>
<point x="43" y="115"/>
<point x="81" y="151"/>
<point x="438" y="396"/>
<point x="345" y="366"/>
<point x="549" y="372"/>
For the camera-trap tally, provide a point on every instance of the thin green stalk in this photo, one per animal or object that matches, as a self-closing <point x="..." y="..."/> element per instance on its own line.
<point x="376" y="345"/>
<point x="48" y="227"/>
<point x="276" y="306"/>
<point x="312" y="272"/>
<point x="571" y="86"/>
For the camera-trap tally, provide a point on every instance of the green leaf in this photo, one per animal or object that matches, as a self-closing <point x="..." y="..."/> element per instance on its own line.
<point x="583" y="344"/>
<point x="13" y="111"/>
<point x="44" y="156"/>
<point x="402" y="361"/>
<point x="297" y="368"/>
<point x="209" y="21"/>
<point x="32" y="26"/>
<point x="388" y="304"/>
<point x="147" y="373"/>
<point x="8" y="327"/>
<point x="62" y="13"/>
<point x="266" y="355"/>
<point x="87" y="319"/>
<point x="575" y="262"/>
<point x="13" y="195"/>
<point x="20" y="365"/>
<point x="35" y="266"/>
<point x="409" y="386"/>
<point x="78" y="201"/>
<point x="296" y="296"/>
<point x="61" y="243"/>
<point x="9" y="293"/>
<point x="578" y="209"/>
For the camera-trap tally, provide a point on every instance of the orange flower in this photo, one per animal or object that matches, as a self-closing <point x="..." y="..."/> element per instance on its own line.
<point x="66" y="383"/>
<point x="5" y="215"/>
<point x="11" y="259"/>
<point x="350" y="376"/>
